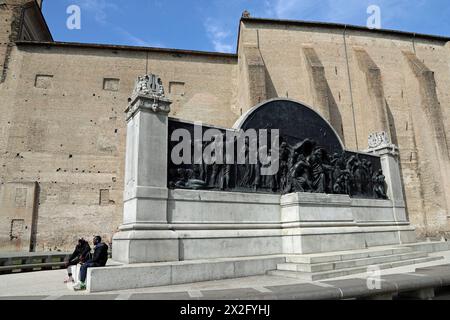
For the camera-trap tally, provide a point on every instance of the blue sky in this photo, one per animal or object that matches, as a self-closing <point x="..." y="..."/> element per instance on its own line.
<point x="212" y="25"/>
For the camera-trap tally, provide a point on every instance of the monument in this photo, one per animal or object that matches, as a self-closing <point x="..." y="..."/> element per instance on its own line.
<point x="52" y="169"/>
<point x="195" y="221"/>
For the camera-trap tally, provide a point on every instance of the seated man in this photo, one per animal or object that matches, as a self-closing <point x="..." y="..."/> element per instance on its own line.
<point x="98" y="260"/>
<point x="80" y="255"/>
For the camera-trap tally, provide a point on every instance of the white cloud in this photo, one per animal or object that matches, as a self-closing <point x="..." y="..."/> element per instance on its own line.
<point x="220" y="38"/>
<point x="222" y="47"/>
<point x="136" y="41"/>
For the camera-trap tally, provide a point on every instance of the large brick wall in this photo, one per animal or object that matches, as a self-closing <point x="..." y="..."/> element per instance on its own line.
<point x="19" y="19"/>
<point x="10" y="14"/>
<point x="63" y="125"/>
<point x="370" y="81"/>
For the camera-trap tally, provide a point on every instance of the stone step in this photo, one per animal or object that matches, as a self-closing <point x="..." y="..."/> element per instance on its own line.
<point x="416" y="261"/>
<point x="431" y="246"/>
<point x="316" y="276"/>
<point x="346" y="255"/>
<point x="353" y="263"/>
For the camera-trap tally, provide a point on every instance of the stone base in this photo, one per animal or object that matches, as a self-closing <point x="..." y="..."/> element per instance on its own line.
<point x="322" y="240"/>
<point x="211" y="224"/>
<point x="140" y="246"/>
<point x="320" y="266"/>
<point x="318" y="223"/>
<point x="215" y="225"/>
<point x="171" y="273"/>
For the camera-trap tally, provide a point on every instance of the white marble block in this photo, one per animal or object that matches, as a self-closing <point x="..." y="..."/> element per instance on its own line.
<point x="145" y="235"/>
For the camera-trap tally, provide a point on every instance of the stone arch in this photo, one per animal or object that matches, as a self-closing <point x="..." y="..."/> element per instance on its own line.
<point x="295" y="120"/>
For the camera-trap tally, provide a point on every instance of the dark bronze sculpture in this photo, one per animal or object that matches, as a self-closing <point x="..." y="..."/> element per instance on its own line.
<point x="304" y="167"/>
<point x="318" y="164"/>
<point x="379" y="184"/>
<point x="284" y="165"/>
<point x="299" y="176"/>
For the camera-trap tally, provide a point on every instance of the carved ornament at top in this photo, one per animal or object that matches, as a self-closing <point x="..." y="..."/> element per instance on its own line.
<point x="149" y="85"/>
<point x="380" y="142"/>
<point x="148" y="93"/>
<point x="378" y="139"/>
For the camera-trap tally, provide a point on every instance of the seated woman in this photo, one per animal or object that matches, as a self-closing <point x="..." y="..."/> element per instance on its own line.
<point x="81" y="254"/>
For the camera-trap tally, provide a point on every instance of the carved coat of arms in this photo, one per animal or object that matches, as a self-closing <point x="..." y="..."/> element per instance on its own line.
<point x="378" y="139"/>
<point x="150" y="87"/>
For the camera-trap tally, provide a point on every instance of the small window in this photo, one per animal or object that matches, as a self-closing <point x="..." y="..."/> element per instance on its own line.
<point x="176" y="88"/>
<point x="111" y="84"/>
<point x="104" y="197"/>
<point x="21" y="198"/>
<point x="17" y="229"/>
<point x="43" y="81"/>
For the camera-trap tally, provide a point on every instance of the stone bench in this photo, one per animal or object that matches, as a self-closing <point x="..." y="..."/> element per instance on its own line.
<point x="418" y="285"/>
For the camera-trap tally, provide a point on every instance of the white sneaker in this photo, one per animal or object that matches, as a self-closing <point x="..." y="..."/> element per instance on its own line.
<point x="79" y="286"/>
<point x="69" y="279"/>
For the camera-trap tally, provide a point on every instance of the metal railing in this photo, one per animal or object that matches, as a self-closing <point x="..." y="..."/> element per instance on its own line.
<point x="21" y="262"/>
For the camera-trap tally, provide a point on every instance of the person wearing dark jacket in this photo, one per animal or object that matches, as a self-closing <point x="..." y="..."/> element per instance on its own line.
<point x="98" y="260"/>
<point x="80" y="255"/>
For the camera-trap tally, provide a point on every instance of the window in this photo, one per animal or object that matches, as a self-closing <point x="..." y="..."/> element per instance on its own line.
<point x="43" y="81"/>
<point x="21" y="198"/>
<point x="111" y="84"/>
<point x="104" y="197"/>
<point x="176" y="88"/>
<point x="17" y="229"/>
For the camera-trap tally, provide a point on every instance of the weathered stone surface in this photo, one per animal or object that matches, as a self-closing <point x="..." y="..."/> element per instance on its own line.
<point x="431" y="139"/>
<point x="64" y="155"/>
<point x="18" y="216"/>
<point x="401" y="93"/>
<point x="324" y="99"/>
<point x="256" y="72"/>
<point x="376" y="118"/>
<point x="19" y="20"/>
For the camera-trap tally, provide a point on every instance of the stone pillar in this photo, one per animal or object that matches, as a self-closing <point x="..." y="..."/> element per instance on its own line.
<point x="319" y="82"/>
<point x="375" y="112"/>
<point x="256" y="70"/>
<point x="379" y="144"/>
<point x="145" y="235"/>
